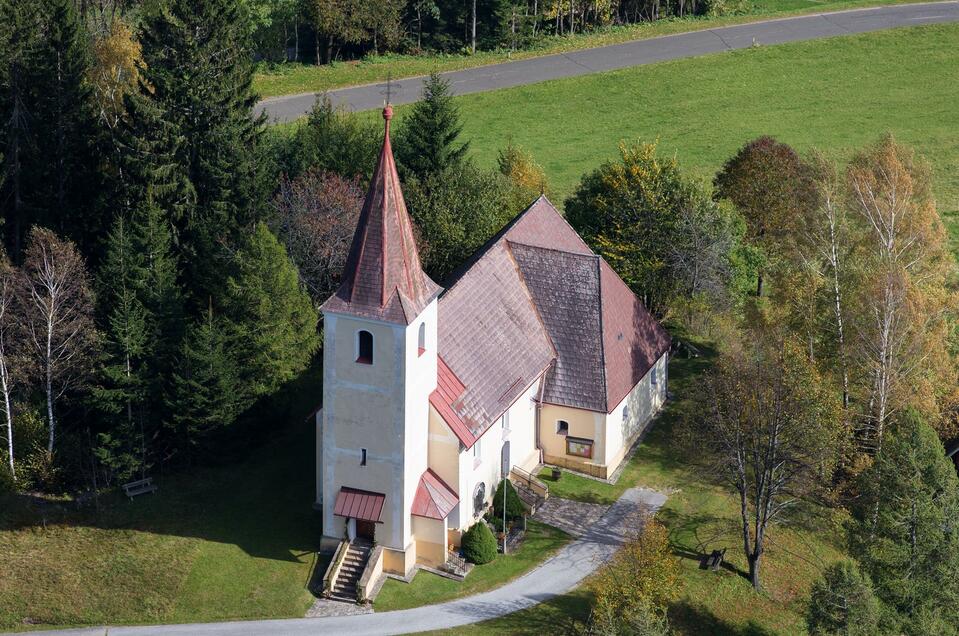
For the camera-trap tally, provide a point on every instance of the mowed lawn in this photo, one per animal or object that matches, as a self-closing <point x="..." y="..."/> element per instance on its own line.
<point x="701" y="517"/>
<point x="221" y="543"/>
<point x="286" y="79"/>
<point x="834" y="94"/>
<point x="426" y="588"/>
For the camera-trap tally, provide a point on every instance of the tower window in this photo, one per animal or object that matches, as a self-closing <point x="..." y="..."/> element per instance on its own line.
<point x="362" y="457"/>
<point x="364" y="347"/>
<point x="421" y="340"/>
<point x="562" y="427"/>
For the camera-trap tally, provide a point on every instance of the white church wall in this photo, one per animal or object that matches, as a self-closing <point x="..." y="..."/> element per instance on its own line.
<point x="631" y="416"/>
<point x="485" y="465"/>
<point x="420" y="382"/>
<point x="381" y="407"/>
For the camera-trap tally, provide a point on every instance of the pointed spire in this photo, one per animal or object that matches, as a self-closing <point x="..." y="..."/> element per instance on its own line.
<point x="383" y="278"/>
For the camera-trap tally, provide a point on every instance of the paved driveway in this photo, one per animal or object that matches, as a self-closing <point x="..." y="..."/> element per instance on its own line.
<point x="607" y="58"/>
<point x="555" y="576"/>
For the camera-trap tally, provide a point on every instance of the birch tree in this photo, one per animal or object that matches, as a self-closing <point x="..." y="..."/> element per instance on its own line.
<point x="10" y="337"/>
<point x="902" y="331"/>
<point x="769" y="430"/>
<point x="58" y="317"/>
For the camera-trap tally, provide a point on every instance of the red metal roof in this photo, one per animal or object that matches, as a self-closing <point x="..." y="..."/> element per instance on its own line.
<point x="359" y="504"/>
<point x="434" y="498"/>
<point x="383" y="278"/>
<point x="448" y="391"/>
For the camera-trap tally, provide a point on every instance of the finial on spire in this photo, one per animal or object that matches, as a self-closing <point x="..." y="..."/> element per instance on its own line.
<point x="387" y="106"/>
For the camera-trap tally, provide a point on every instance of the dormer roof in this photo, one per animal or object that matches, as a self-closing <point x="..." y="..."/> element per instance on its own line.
<point x="383" y="278"/>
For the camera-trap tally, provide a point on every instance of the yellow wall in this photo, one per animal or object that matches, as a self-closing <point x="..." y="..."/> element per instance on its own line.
<point x="582" y="423"/>
<point x="444" y="449"/>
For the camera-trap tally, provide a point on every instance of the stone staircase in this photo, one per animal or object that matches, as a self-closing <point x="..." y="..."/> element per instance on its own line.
<point x="344" y="588"/>
<point x="531" y="491"/>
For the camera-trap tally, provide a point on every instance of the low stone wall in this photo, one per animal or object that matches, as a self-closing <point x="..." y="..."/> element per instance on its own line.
<point x="367" y="587"/>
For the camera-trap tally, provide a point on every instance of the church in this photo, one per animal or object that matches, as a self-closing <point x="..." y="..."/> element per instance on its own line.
<point x="535" y="352"/>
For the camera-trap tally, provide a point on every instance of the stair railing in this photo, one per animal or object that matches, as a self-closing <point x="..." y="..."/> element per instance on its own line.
<point x="532" y="483"/>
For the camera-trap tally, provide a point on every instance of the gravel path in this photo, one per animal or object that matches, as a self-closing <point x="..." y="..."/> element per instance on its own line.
<point x="671" y="47"/>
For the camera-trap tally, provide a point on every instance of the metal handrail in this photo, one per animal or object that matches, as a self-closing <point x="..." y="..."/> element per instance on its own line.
<point x="529" y="479"/>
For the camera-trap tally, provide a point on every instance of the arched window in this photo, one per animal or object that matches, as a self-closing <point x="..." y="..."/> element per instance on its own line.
<point x="421" y="339"/>
<point x="364" y="347"/>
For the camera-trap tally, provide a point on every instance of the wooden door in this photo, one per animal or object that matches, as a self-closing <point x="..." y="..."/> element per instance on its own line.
<point x="365" y="530"/>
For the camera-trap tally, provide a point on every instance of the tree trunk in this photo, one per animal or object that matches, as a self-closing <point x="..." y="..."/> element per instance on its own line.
<point x="8" y="411"/>
<point x="759" y="285"/>
<point x="296" y="40"/>
<point x="754" y="560"/>
<point x="473" y="37"/>
<point x="49" y="389"/>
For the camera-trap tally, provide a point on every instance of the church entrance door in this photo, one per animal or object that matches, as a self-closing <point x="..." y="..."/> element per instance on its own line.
<point x="365" y="530"/>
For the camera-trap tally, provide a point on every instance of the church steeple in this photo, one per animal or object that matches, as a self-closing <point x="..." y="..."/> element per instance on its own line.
<point x="383" y="278"/>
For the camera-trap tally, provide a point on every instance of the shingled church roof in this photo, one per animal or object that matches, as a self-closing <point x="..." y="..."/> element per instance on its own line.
<point x="536" y="300"/>
<point x="383" y="278"/>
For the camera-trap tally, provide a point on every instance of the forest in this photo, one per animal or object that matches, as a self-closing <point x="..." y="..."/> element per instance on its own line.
<point x="166" y="252"/>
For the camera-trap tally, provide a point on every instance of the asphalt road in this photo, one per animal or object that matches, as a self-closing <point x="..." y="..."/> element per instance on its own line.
<point x="607" y="58"/>
<point x="557" y="575"/>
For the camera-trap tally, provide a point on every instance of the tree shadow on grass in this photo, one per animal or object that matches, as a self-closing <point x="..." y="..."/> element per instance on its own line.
<point x="695" y="619"/>
<point x="259" y="499"/>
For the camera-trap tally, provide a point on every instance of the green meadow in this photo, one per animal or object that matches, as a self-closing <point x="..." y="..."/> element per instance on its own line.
<point x="835" y="94"/>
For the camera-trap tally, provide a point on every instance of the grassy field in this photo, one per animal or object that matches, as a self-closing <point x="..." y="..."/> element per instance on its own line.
<point x="286" y="79"/>
<point x="701" y="517"/>
<point x="540" y="543"/>
<point x="835" y="94"/>
<point x="231" y="542"/>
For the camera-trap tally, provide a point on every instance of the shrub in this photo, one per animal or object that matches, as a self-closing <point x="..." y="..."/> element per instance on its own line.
<point x="479" y="544"/>
<point x="514" y="505"/>
<point x="7" y="484"/>
<point x="642" y="577"/>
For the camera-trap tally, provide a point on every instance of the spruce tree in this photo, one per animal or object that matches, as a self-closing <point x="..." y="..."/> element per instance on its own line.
<point x="904" y="532"/>
<point x="428" y="140"/>
<point x="141" y="315"/>
<point x="207" y="393"/>
<point x="272" y="313"/>
<point x="198" y="73"/>
<point x="50" y="131"/>
<point x="120" y="395"/>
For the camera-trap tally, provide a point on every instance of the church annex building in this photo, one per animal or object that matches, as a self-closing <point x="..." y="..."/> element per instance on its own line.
<point x="536" y="352"/>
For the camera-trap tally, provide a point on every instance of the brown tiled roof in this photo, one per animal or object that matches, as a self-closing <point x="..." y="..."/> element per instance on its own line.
<point x="434" y="498"/>
<point x="382" y="278"/>
<point x="536" y="297"/>
<point x="632" y="339"/>
<point x="565" y="288"/>
<point x="491" y="337"/>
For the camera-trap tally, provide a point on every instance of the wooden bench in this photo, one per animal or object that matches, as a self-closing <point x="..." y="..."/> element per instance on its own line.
<point x="715" y="560"/>
<point x="139" y="487"/>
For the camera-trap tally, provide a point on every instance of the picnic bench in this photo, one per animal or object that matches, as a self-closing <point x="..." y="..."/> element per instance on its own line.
<point x="715" y="560"/>
<point x="139" y="487"/>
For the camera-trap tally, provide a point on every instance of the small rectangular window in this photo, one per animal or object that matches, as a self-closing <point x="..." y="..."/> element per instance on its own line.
<point x="562" y="427"/>
<point x="579" y="447"/>
<point x="362" y="457"/>
<point x="653" y="378"/>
